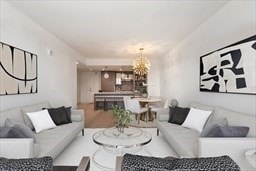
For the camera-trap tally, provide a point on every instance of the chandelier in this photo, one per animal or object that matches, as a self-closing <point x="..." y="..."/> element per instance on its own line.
<point x="141" y="65"/>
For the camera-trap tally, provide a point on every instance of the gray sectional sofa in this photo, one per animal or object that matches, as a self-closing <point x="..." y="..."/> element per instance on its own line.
<point x="188" y="143"/>
<point x="46" y="143"/>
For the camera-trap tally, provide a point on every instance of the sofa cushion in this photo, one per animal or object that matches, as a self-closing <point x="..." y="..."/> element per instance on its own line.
<point x="26" y="131"/>
<point x="183" y="140"/>
<point x="237" y="119"/>
<point x="179" y="115"/>
<point x="30" y="109"/>
<point x="201" y="106"/>
<point x="53" y="141"/>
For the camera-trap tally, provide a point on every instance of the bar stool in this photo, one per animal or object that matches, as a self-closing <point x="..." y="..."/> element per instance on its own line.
<point x="119" y="101"/>
<point x="100" y="103"/>
<point x="109" y="102"/>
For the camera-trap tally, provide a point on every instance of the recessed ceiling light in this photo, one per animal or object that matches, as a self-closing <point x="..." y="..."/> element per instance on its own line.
<point x="77" y="62"/>
<point x="91" y="69"/>
<point x="102" y="69"/>
<point x="120" y="69"/>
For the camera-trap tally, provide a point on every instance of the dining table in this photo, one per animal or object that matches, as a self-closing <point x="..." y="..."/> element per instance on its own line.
<point x="145" y="102"/>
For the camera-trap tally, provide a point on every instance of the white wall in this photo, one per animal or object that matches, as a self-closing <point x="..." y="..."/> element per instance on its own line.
<point x="89" y="83"/>
<point x="180" y="66"/>
<point x="57" y="77"/>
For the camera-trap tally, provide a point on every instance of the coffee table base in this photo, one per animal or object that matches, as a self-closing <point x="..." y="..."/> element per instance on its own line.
<point x="101" y="156"/>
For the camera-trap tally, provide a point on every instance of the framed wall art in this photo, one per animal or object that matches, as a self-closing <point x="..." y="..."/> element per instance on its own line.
<point x="230" y="69"/>
<point x="18" y="71"/>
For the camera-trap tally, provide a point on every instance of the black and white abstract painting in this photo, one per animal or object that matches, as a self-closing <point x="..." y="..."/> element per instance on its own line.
<point x="230" y="69"/>
<point x="18" y="71"/>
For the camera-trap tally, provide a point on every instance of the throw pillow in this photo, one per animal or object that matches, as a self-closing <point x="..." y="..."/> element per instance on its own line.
<point x="196" y="119"/>
<point x="41" y="120"/>
<point x="212" y="125"/>
<point x="26" y="131"/>
<point x="229" y="131"/>
<point x="179" y="115"/>
<point x="59" y="115"/>
<point x="68" y="110"/>
<point x="171" y="109"/>
<point x="10" y="132"/>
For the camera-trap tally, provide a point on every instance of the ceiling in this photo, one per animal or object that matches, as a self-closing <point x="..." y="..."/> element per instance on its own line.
<point x="117" y="29"/>
<point x="95" y="68"/>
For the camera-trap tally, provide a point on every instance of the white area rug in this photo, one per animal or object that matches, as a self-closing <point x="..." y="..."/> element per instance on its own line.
<point x="84" y="146"/>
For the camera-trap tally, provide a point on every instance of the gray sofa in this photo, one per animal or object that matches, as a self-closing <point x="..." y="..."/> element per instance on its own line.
<point x="47" y="143"/>
<point x="188" y="143"/>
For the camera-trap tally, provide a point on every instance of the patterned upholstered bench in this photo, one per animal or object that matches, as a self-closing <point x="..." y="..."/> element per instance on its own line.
<point x="40" y="164"/>
<point x="137" y="163"/>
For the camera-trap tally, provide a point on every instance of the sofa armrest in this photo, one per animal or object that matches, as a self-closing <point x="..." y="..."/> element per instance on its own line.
<point x="77" y="115"/>
<point x="233" y="147"/>
<point x="16" y="147"/>
<point x="163" y="115"/>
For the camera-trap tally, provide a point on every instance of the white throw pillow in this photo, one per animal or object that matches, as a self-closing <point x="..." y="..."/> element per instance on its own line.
<point x="196" y="119"/>
<point x="41" y="120"/>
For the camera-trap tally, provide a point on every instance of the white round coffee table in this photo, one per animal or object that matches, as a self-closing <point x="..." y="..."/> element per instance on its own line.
<point x="115" y="143"/>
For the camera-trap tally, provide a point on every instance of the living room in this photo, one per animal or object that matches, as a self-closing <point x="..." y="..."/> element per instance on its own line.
<point x="174" y="36"/>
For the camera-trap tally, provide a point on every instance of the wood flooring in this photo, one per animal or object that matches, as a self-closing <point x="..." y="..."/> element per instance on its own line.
<point x="98" y="118"/>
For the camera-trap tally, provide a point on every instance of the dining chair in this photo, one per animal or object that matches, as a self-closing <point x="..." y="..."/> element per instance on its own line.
<point x="125" y="98"/>
<point x="164" y="105"/>
<point x="133" y="105"/>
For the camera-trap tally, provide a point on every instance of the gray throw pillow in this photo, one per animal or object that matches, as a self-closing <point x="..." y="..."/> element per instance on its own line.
<point x="212" y="125"/>
<point x="229" y="131"/>
<point x="10" y="133"/>
<point x="23" y="129"/>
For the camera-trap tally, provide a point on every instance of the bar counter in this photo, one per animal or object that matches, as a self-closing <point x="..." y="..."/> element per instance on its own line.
<point x="105" y="100"/>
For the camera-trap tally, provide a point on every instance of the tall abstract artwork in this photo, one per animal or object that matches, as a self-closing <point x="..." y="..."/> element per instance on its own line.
<point x="230" y="69"/>
<point x="18" y="71"/>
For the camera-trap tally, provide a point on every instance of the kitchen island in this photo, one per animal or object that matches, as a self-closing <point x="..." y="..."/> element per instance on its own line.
<point x="105" y="100"/>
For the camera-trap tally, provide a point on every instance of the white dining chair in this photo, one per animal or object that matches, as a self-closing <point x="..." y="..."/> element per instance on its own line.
<point x="125" y="98"/>
<point x="164" y="105"/>
<point x="133" y="105"/>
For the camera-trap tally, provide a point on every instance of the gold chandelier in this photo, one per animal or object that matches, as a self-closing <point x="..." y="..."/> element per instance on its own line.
<point x="141" y="65"/>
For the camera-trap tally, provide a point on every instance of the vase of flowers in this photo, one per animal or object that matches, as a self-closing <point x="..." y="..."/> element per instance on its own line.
<point x="122" y="117"/>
